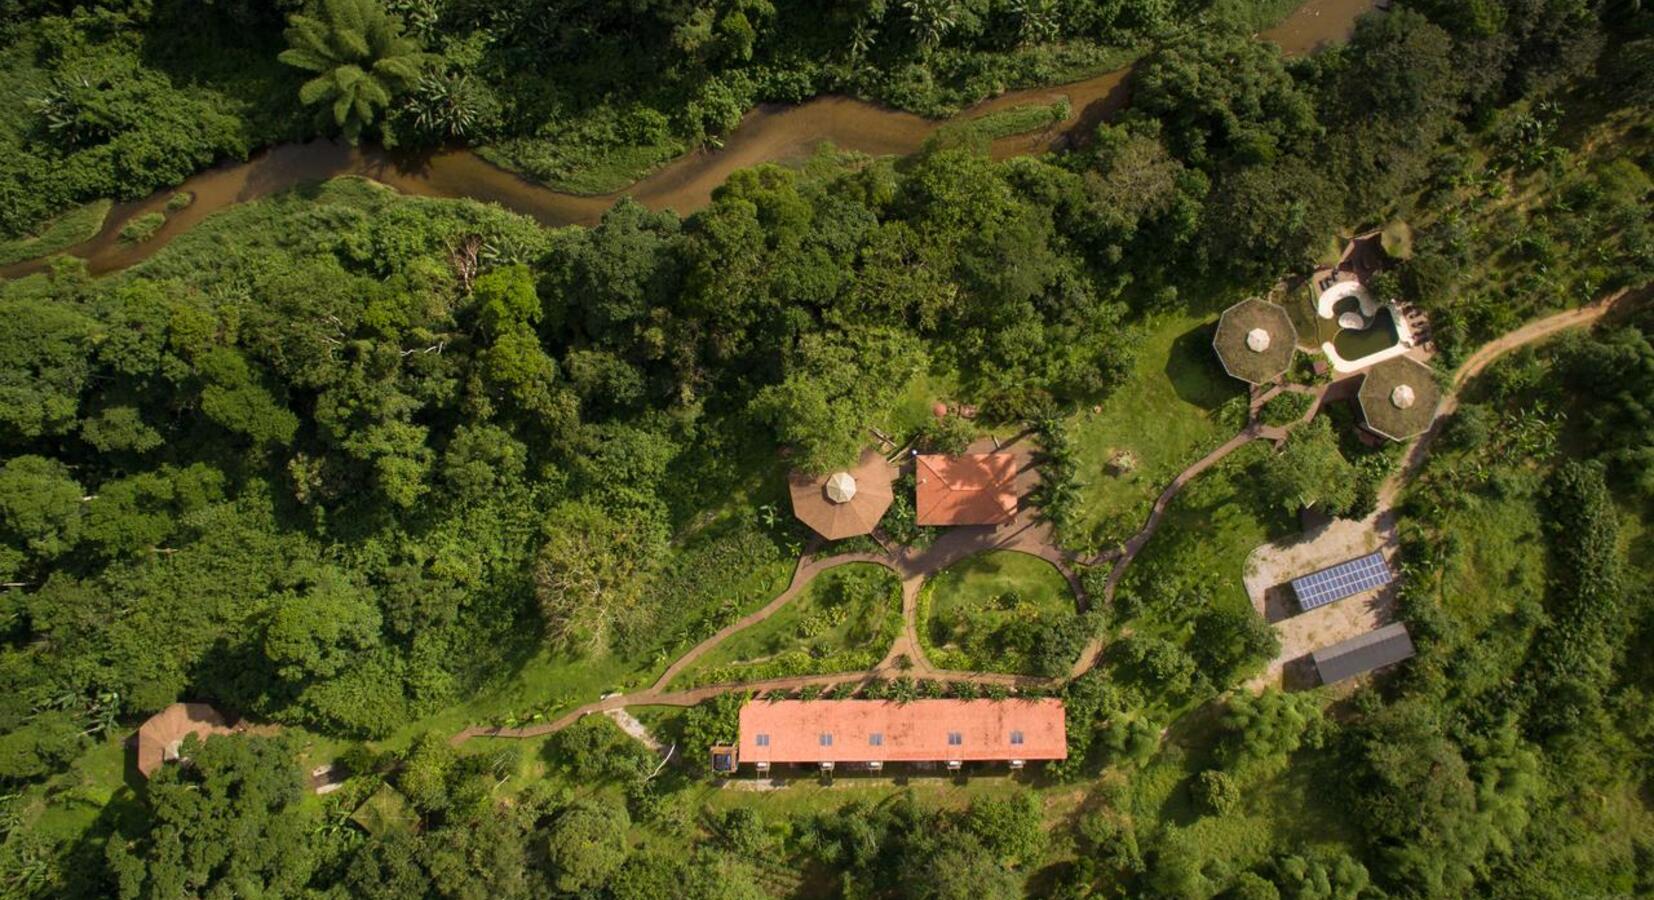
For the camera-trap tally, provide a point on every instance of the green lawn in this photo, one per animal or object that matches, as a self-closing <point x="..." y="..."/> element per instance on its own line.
<point x="1201" y="546"/>
<point x="1163" y="416"/>
<point x="985" y="129"/>
<point x="843" y="621"/>
<point x="1300" y="308"/>
<point x="988" y="612"/>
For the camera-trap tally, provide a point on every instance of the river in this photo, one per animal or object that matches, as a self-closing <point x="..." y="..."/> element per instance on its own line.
<point x="768" y="133"/>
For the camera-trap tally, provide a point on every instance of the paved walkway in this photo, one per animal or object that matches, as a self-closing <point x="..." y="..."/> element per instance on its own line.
<point x="1026" y="534"/>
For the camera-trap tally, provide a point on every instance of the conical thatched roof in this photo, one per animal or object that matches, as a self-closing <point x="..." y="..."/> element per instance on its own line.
<point x="1255" y="340"/>
<point x="844" y="504"/>
<point x="1398" y="398"/>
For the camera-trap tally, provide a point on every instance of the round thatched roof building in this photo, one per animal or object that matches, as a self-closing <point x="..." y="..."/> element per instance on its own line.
<point x="1255" y="340"/>
<point x="1398" y="398"/>
<point x="844" y="504"/>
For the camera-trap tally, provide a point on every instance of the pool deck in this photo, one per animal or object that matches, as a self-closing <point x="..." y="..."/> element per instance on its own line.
<point x="1369" y="307"/>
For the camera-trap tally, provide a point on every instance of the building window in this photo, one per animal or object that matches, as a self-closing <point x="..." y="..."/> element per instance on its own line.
<point x="762" y="740"/>
<point x="955" y="739"/>
<point x="875" y="739"/>
<point x="1016" y="737"/>
<point x="826" y="739"/>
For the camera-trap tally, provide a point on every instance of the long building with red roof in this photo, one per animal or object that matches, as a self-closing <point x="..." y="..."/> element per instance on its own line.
<point x="972" y="489"/>
<point x="870" y="733"/>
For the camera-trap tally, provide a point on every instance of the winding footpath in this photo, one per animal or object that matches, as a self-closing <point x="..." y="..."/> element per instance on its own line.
<point x="906" y="656"/>
<point x="1485" y="355"/>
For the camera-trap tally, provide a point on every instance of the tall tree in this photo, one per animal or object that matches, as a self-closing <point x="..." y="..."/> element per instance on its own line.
<point x="593" y="573"/>
<point x="587" y="846"/>
<point x="1311" y="471"/>
<point x="361" y="59"/>
<point x="231" y="823"/>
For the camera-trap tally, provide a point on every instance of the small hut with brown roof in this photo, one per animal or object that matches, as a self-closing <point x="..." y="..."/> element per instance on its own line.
<point x="1255" y="340"/>
<point x="844" y="504"/>
<point x="972" y="489"/>
<point x="160" y="737"/>
<point x="1398" y="398"/>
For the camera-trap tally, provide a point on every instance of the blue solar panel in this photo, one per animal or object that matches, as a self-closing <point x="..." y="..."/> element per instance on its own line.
<point x="1340" y="581"/>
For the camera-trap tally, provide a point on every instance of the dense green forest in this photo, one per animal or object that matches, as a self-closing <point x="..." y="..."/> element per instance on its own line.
<point x="374" y="467"/>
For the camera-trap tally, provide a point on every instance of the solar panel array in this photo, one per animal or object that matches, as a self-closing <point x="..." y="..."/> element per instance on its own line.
<point x="1343" y="580"/>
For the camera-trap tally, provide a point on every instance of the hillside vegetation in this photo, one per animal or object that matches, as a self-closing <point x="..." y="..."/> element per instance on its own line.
<point x="375" y="468"/>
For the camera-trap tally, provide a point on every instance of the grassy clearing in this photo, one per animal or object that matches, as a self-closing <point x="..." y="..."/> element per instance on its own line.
<point x="587" y="170"/>
<point x="843" y="621"/>
<point x="1164" y="416"/>
<point x="914" y="405"/>
<point x="989" y="611"/>
<point x="79" y="224"/>
<point x="142" y="228"/>
<point x="985" y="129"/>
<point x="1498" y="561"/>
<point x="1201" y="547"/>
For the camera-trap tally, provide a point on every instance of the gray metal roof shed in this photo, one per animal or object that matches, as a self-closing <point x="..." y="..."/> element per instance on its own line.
<point x="1363" y="653"/>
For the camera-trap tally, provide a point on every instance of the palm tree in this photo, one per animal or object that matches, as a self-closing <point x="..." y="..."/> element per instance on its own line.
<point x="931" y="20"/>
<point x="361" y="58"/>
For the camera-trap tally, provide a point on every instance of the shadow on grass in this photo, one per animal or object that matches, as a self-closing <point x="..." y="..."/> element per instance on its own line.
<point x="86" y="873"/>
<point x="1194" y="370"/>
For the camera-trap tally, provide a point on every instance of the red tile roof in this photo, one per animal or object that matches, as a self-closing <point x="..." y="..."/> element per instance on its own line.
<point x="917" y="731"/>
<point x="974" y="489"/>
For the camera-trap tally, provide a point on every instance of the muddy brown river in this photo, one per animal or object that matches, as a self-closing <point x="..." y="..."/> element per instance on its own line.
<point x="767" y="134"/>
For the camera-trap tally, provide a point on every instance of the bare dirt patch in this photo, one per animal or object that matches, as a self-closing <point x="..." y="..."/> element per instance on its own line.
<point x="1269" y="571"/>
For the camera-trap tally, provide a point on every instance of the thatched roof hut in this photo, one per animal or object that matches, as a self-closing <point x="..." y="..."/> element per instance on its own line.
<point x="1398" y="398"/>
<point x="1255" y="340"/>
<point x="844" y="504"/>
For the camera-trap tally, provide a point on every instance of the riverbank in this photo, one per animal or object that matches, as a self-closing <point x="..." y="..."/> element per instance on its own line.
<point x="766" y="134"/>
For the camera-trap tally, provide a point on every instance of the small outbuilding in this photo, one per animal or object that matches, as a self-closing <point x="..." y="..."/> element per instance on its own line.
<point x="1255" y="341"/>
<point x="970" y="489"/>
<point x="386" y="810"/>
<point x="725" y="758"/>
<point x="846" y="503"/>
<point x="1363" y="653"/>
<point x="160" y="738"/>
<point x="1398" y="398"/>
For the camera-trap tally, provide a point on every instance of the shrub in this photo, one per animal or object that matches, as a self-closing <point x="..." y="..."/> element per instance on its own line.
<point x="142" y="228"/>
<point x="951" y="434"/>
<point x="1231" y="642"/>
<point x="1216" y="792"/>
<point x="1285" y="408"/>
